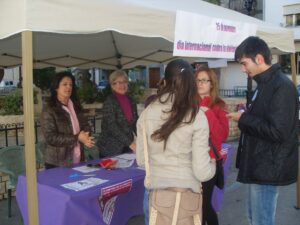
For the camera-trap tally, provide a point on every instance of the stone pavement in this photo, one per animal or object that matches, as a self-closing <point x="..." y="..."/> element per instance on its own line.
<point x="232" y="213"/>
<point x="233" y="210"/>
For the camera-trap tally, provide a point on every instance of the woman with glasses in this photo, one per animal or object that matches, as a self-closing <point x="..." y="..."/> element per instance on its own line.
<point x="215" y="111"/>
<point x="118" y="127"/>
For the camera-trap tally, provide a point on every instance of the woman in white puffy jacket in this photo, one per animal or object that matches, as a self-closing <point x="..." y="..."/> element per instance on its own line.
<point x="177" y="134"/>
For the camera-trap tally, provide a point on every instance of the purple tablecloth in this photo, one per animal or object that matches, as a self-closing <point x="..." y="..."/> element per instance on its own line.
<point x="218" y="194"/>
<point x="60" y="206"/>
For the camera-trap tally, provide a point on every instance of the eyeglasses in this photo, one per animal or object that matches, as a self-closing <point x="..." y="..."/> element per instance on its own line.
<point x="120" y="82"/>
<point x="202" y="81"/>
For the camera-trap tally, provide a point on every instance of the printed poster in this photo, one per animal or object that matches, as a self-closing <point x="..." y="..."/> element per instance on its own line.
<point x="109" y="196"/>
<point x="202" y="36"/>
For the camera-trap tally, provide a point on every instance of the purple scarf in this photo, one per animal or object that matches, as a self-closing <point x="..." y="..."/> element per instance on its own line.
<point x="125" y="104"/>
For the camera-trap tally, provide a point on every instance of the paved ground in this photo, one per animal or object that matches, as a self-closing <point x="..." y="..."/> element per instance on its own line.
<point x="233" y="211"/>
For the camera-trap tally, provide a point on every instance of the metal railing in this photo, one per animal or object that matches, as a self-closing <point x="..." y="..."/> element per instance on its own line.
<point x="232" y="93"/>
<point x="6" y="90"/>
<point x="12" y="134"/>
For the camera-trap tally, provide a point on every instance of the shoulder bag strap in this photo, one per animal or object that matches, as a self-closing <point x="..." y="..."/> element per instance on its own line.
<point x="211" y="144"/>
<point x="146" y="155"/>
<point x="153" y="213"/>
<point x="214" y="149"/>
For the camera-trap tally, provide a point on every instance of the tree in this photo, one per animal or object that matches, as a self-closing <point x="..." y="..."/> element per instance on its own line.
<point x="87" y="89"/>
<point x="42" y="78"/>
<point x="1" y="74"/>
<point x="216" y="2"/>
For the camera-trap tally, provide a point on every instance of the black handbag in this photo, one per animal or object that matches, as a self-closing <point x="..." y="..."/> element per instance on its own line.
<point x="219" y="170"/>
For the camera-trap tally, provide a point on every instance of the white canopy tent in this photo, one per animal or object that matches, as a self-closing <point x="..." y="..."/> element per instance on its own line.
<point x="97" y="33"/>
<point x="108" y="34"/>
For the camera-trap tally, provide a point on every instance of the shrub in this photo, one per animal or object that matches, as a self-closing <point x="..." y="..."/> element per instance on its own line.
<point x="103" y="93"/>
<point x="42" y="78"/>
<point x="136" y="90"/>
<point x="87" y="93"/>
<point x="12" y="104"/>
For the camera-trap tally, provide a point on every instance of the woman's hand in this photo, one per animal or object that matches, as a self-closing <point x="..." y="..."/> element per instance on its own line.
<point x="86" y="139"/>
<point x="132" y="146"/>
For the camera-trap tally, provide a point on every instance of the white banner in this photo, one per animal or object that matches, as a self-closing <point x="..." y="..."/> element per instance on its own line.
<point x="208" y="37"/>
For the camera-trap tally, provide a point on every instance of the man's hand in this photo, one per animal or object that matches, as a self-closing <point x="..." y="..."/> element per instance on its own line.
<point x="235" y="116"/>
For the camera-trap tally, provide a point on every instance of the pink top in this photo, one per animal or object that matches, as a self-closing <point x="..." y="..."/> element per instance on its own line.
<point x="76" y="129"/>
<point x="125" y="105"/>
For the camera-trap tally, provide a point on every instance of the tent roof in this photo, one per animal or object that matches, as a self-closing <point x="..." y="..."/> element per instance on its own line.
<point x="107" y="33"/>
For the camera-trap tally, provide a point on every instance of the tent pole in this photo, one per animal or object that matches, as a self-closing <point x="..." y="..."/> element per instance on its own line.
<point x="30" y="160"/>
<point x="293" y="67"/>
<point x="294" y="78"/>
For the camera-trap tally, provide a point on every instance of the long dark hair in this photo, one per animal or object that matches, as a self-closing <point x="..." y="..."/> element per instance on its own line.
<point x="53" y="101"/>
<point x="181" y="89"/>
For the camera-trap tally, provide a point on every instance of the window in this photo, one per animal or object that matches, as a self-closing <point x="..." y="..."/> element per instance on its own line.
<point x="289" y="20"/>
<point x="297" y="19"/>
<point x="285" y="63"/>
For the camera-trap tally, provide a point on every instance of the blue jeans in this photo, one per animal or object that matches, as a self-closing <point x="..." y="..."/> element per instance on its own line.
<point x="146" y="206"/>
<point x="261" y="204"/>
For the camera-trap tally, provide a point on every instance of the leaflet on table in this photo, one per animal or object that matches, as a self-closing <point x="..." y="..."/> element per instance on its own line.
<point x="124" y="161"/>
<point x="85" y="169"/>
<point x="84" y="184"/>
<point x="127" y="156"/>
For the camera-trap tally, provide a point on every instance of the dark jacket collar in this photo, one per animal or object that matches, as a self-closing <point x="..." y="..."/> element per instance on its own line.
<point x="267" y="74"/>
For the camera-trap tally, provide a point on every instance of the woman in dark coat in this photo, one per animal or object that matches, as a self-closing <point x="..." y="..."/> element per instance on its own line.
<point x="63" y="124"/>
<point x="118" y="127"/>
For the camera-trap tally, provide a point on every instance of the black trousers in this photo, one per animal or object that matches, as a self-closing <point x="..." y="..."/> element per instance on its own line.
<point x="126" y="149"/>
<point x="209" y="216"/>
<point x="49" y="166"/>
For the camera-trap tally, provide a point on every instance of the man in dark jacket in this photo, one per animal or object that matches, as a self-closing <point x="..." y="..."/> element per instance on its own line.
<point x="268" y="150"/>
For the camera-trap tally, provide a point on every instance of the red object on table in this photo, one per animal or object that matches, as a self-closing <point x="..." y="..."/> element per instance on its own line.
<point x="108" y="163"/>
